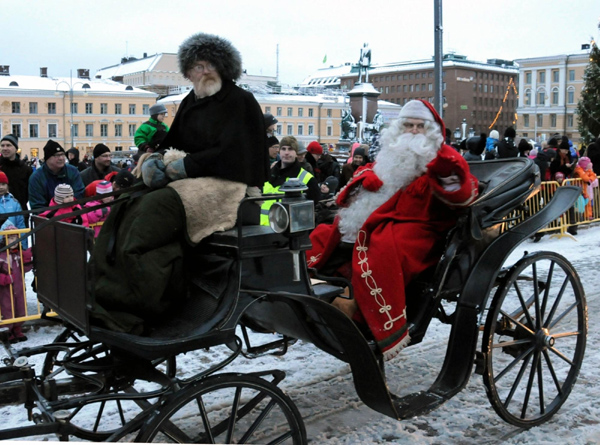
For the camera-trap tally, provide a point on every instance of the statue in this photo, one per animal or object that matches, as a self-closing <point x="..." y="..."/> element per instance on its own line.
<point x="364" y="63"/>
<point x="378" y="121"/>
<point x="348" y="125"/>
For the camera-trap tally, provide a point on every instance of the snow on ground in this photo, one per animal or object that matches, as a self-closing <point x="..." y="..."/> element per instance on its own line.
<point x="322" y="387"/>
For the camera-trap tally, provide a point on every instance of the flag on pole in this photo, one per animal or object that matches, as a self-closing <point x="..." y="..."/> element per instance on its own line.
<point x="325" y="58"/>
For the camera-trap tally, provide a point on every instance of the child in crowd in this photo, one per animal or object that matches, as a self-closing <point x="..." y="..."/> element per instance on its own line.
<point x="326" y="208"/>
<point x="14" y="263"/>
<point x="63" y="193"/>
<point x="9" y="204"/>
<point x="98" y="216"/>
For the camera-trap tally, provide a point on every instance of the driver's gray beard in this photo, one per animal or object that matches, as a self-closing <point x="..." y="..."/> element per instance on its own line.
<point x="213" y="86"/>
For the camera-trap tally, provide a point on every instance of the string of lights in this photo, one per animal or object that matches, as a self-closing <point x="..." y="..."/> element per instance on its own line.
<point x="511" y="84"/>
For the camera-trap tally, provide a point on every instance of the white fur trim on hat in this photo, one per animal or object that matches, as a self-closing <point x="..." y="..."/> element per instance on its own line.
<point x="415" y="109"/>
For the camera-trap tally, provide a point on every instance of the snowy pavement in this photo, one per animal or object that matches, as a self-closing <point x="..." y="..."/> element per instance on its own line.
<point x="322" y="387"/>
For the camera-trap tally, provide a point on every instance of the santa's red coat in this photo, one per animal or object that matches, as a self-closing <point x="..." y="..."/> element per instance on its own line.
<point x="399" y="240"/>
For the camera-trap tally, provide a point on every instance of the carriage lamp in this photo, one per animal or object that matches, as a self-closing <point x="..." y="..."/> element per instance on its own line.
<point x="293" y="216"/>
<point x="294" y="213"/>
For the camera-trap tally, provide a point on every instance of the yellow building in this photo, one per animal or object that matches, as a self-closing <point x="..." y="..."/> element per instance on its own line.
<point x="549" y="89"/>
<point x="75" y="112"/>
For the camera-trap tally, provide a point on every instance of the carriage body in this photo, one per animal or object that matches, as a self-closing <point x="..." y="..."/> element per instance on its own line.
<point x="268" y="288"/>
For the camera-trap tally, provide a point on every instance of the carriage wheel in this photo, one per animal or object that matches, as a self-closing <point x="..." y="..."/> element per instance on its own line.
<point x="99" y="420"/>
<point x="227" y="408"/>
<point x="534" y="339"/>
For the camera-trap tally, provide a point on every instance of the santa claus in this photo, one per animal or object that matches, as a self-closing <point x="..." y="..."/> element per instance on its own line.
<point x="393" y="219"/>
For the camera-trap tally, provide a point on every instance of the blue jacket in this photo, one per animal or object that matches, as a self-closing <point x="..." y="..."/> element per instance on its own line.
<point x="43" y="182"/>
<point x="9" y="204"/>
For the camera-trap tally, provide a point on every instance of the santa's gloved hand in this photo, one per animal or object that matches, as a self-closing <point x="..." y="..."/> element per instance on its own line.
<point x="176" y="170"/>
<point x="448" y="162"/>
<point x="371" y="181"/>
<point x="153" y="172"/>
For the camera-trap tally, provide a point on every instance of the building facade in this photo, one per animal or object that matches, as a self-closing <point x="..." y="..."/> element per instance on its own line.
<point x="75" y="112"/>
<point x="484" y="95"/>
<point x="550" y="89"/>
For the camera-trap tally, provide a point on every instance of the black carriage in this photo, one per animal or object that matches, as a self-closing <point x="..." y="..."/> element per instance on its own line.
<point x="531" y="317"/>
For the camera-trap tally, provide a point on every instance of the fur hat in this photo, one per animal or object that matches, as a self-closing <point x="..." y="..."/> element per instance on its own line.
<point x="524" y="146"/>
<point x="315" y="148"/>
<point x="214" y="49"/>
<point x="124" y="179"/>
<point x="61" y="192"/>
<point x="51" y="148"/>
<point x="100" y="149"/>
<point x="290" y="141"/>
<point x="584" y="162"/>
<point x="3" y="178"/>
<point x="510" y="133"/>
<point x="104" y="187"/>
<point x="12" y="139"/>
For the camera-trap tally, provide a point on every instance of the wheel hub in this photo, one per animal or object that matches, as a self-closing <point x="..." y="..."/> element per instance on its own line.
<point x="543" y="339"/>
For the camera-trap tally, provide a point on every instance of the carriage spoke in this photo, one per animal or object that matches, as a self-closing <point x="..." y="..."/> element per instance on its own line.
<point x="552" y="372"/>
<point x="234" y="411"/>
<point x="536" y="357"/>
<point x="563" y="315"/>
<point x="536" y="294"/>
<point x="258" y="421"/>
<point x="524" y="304"/>
<point x="99" y="416"/>
<point x="557" y="302"/>
<point x="205" y="419"/>
<point x="517" y="381"/>
<point x="540" y="385"/>
<point x="547" y="289"/>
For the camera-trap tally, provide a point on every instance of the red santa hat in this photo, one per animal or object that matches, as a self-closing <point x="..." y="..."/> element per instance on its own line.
<point x="421" y="109"/>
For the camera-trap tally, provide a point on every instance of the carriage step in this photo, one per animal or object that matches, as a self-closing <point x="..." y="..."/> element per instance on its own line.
<point x="327" y="292"/>
<point x="417" y="404"/>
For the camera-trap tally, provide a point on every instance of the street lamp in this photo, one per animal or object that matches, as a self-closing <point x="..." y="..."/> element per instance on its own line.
<point x="457" y="134"/>
<point x="85" y="86"/>
<point x="463" y="126"/>
<point x="471" y="132"/>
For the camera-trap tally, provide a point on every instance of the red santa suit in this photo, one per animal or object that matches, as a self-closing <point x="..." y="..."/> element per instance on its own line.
<point x="400" y="239"/>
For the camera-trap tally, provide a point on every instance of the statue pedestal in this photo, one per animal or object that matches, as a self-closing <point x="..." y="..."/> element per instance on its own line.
<point x="363" y="103"/>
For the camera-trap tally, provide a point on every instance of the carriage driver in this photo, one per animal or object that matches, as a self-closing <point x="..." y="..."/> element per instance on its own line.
<point x="393" y="219"/>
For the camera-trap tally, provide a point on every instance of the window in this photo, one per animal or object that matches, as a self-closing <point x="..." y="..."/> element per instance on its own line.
<point x="542" y="76"/>
<point x="279" y="111"/>
<point x="103" y="130"/>
<point x="541" y="98"/>
<point x="290" y="129"/>
<point x="290" y="111"/>
<point x="417" y="87"/>
<point x="311" y="129"/>
<point x="528" y="77"/>
<point x="131" y="108"/>
<point x="329" y="130"/>
<point x="540" y="120"/>
<point x="75" y="130"/>
<point x="118" y="148"/>
<point x="300" y="130"/>
<point x="145" y="109"/>
<point x="570" y="120"/>
<point x="418" y="76"/>
<point x="485" y="88"/>
<point x="526" y="120"/>
<point x="117" y="108"/>
<point x="279" y="129"/>
<point x="16" y="130"/>
<point x="555" y="76"/>
<point x="89" y="108"/>
<point x="132" y="129"/>
<point x="300" y="112"/>
<point x="310" y="112"/>
<point x="571" y="75"/>
<point x="553" y="120"/>
<point x="74" y="108"/>
<point x="329" y="112"/>
<point x="52" y="130"/>
<point x="554" y="97"/>
<point x="34" y="130"/>
<point x="33" y="107"/>
<point x="571" y="96"/>
<point x="89" y="130"/>
<point x="16" y="107"/>
<point x="267" y="109"/>
<point x="118" y="130"/>
<point x="429" y="87"/>
<point x="51" y="107"/>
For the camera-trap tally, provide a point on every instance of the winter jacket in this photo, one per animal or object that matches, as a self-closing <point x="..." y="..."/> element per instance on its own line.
<point x="97" y="216"/>
<point x="75" y="162"/>
<point x="325" y="167"/>
<point x="43" y="182"/>
<point x="559" y="164"/>
<point x="507" y="148"/>
<point x="593" y="152"/>
<point x="12" y="279"/>
<point x="542" y="160"/>
<point x="18" y="174"/>
<point x="92" y="174"/>
<point x="8" y="204"/>
<point x="224" y="136"/>
<point x="144" y="136"/>
<point x="79" y="219"/>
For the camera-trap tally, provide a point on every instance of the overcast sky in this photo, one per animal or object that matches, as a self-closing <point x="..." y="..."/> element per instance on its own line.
<point x="71" y="34"/>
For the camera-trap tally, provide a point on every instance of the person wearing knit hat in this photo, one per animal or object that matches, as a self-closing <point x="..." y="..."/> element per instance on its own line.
<point x="507" y="147"/>
<point x="54" y="171"/>
<point x="151" y="134"/>
<point x="3" y="178"/>
<point x="270" y="122"/>
<point x="323" y="164"/>
<point x="12" y="140"/>
<point x="97" y="216"/>
<point x="564" y="161"/>
<point x="9" y="204"/>
<point x="273" y="147"/>
<point x="314" y="148"/>
<point x="393" y="219"/>
<point x="63" y="193"/>
<point x="122" y="180"/>
<point x="101" y="165"/>
<point x="359" y="158"/>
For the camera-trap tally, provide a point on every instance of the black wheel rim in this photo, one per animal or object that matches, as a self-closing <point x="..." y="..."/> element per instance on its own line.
<point x="534" y="339"/>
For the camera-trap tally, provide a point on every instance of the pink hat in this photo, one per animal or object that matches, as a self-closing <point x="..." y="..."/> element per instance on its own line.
<point x="584" y="162"/>
<point x="104" y="187"/>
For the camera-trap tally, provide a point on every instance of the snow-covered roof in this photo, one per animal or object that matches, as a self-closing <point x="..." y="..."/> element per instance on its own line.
<point x="327" y="76"/>
<point x="65" y="84"/>
<point x="131" y="67"/>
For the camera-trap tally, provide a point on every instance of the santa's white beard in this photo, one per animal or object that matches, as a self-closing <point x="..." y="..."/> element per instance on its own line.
<point x="398" y="164"/>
